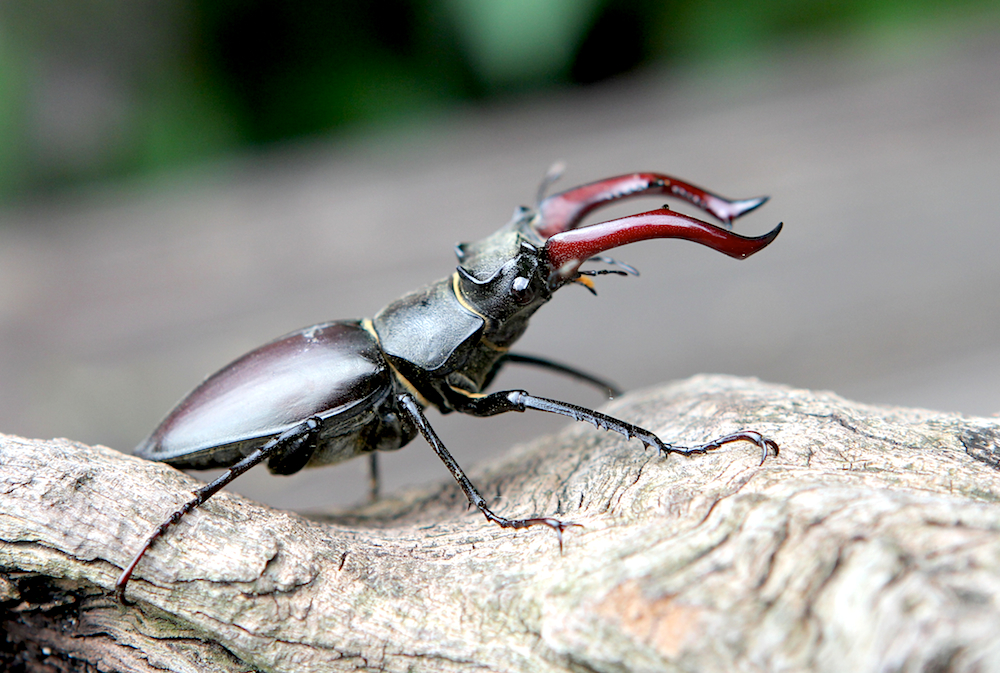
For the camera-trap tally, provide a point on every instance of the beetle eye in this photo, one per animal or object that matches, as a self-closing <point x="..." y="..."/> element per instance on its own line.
<point x="519" y="290"/>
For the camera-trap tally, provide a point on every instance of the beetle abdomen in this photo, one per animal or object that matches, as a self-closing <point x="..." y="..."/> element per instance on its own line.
<point x="325" y="370"/>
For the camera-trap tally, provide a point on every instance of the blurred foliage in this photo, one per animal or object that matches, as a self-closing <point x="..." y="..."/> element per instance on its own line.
<point x="91" y="89"/>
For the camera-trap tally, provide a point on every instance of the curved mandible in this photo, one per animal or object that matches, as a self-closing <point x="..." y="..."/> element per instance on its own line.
<point x="567" y="250"/>
<point x="564" y="211"/>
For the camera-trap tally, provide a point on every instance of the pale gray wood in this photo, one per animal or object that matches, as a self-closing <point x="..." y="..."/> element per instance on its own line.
<point x="871" y="543"/>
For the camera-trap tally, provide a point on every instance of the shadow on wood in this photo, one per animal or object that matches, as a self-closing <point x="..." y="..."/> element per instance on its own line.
<point x="871" y="543"/>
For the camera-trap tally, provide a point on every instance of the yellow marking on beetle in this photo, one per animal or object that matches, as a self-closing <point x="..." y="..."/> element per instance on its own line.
<point x="367" y="326"/>
<point x="466" y="393"/>
<point x="493" y="346"/>
<point x="456" y="287"/>
<point x="410" y="388"/>
<point x="585" y="281"/>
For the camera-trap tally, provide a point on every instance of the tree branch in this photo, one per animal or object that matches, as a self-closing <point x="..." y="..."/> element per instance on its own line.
<point x="871" y="542"/>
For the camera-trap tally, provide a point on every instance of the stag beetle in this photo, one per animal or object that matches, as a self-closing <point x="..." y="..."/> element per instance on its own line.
<point x="341" y="389"/>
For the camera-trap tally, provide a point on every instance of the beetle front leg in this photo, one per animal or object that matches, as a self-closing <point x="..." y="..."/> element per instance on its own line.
<point x="609" y="389"/>
<point x="519" y="400"/>
<point x="291" y="439"/>
<point x="416" y="415"/>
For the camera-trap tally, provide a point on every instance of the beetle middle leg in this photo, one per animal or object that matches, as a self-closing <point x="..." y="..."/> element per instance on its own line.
<point x="292" y="442"/>
<point x="519" y="400"/>
<point x="416" y="415"/>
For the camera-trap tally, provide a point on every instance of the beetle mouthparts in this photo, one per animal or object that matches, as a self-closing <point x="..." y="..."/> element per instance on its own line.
<point x="569" y="249"/>
<point x="564" y="211"/>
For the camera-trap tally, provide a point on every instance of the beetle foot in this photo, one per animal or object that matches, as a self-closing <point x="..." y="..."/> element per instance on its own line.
<point x="765" y="444"/>
<point x="119" y="595"/>
<point x="555" y="524"/>
<point x="126" y="575"/>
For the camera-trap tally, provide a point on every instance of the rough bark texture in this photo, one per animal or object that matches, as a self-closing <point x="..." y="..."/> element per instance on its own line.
<point x="871" y="543"/>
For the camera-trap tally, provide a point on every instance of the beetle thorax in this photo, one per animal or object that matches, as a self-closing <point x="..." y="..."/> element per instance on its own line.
<point x="505" y="283"/>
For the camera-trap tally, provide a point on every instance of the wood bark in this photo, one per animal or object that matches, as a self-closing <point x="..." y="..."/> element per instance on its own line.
<point x="872" y="542"/>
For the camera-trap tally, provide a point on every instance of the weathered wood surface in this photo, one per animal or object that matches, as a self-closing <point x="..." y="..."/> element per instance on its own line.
<point x="871" y="543"/>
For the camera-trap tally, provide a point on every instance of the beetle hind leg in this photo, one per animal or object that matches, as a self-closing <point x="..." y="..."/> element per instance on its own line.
<point x="374" y="478"/>
<point x="289" y="442"/>
<point x="298" y="448"/>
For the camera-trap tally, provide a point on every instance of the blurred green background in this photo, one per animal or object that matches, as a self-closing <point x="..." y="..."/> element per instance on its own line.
<point x="99" y="89"/>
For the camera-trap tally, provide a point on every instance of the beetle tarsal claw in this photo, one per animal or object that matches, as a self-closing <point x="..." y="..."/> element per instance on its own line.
<point x="557" y="525"/>
<point x="342" y="389"/>
<point x="765" y="444"/>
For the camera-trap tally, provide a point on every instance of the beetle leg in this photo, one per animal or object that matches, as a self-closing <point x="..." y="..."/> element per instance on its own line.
<point x="609" y="389"/>
<point x="412" y="409"/>
<point x="519" y="400"/>
<point x="302" y="433"/>
<point x="373" y="477"/>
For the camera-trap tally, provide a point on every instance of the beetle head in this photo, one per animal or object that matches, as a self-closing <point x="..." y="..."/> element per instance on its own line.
<point x="508" y="275"/>
<point x="504" y="277"/>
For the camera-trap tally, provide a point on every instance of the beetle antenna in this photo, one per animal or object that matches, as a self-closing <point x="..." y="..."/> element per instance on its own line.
<point x="554" y="173"/>
<point x="628" y="269"/>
